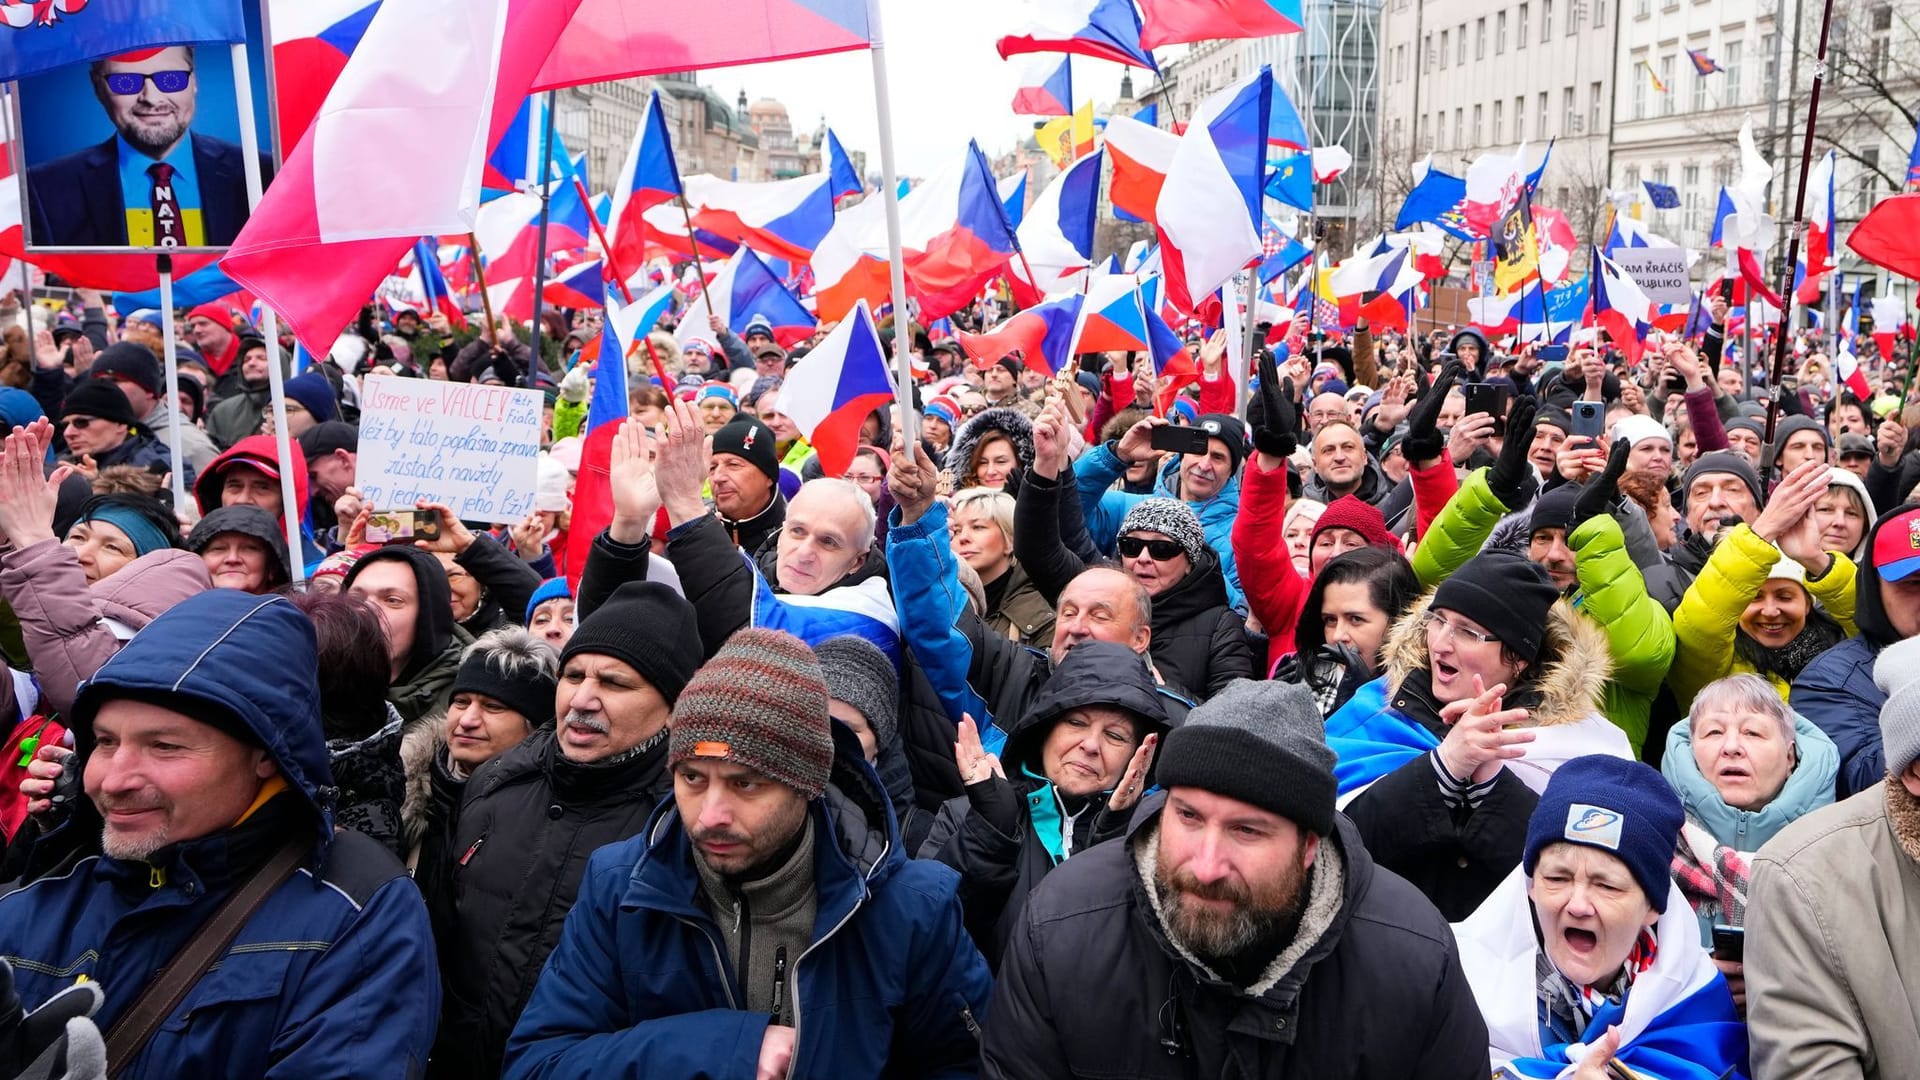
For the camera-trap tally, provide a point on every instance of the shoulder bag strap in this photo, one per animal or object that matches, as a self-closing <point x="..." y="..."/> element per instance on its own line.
<point x="171" y="986"/>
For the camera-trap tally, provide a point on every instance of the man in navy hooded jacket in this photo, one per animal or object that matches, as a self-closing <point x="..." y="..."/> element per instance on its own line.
<point x="766" y="922"/>
<point x="204" y="754"/>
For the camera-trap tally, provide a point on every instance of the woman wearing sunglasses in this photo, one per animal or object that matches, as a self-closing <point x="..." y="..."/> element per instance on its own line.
<point x="1491" y="683"/>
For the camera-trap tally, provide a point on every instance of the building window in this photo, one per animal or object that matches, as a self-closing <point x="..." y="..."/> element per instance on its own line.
<point x="1540" y="117"/>
<point x="1459" y="128"/>
<point x="1880" y="48"/>
<point x="1600" y="12"/>
<point x="1439" y="131"/>
<point x="1666" y="80"/>
<point x="1632" y="180"/>
<point x="1460" y="45"/>
<point x="1660" y="174"/>
<point x="1569" y="119"/>
<point x="1769" y="63"/>
<point x="1520" y="36"/>
<point x="1499" y="121"/>
<point x="1480" y="38"/>
<point x="1690" y="197"/>
<point x="1730" y="64"/>
<point x="1444" y="35"/>
<point x="1699" y="95"/>
<point x="1637" y="72"/>
<point x="1500" y="33"/>
<point x="1477" y="130"/>
<point x="1546" y="20"/>
<point x="1519" y="119"/>
<point x="1595" y="98"/>
<point x="1869" y="180"/>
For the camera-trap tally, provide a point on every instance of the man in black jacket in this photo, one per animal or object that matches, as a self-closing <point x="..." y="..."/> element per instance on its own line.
<point x="1239" y="930"/>
<point x="533" y="815"/>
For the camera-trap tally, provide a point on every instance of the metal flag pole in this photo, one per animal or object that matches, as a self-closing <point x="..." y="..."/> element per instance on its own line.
<point x="164" y="264"/>
<point x="1779" y="367"/>
<point x="890" y="193"/>
<point x="540" y="265"/>
<point x="291" y="510"/>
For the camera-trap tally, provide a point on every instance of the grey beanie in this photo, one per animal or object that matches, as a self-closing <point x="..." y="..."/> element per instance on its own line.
<point x="1262" y="743"/>
<point x="859" y="674"/>
<point x="1170" y="518"/>
<point x="1724" y="461"/>
<point x="1897" y="673"/>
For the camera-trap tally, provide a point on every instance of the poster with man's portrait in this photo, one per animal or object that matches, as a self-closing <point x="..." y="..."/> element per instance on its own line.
<point x="142" y="150"/>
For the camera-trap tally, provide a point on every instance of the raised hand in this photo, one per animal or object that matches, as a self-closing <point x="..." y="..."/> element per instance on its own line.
<point x="27" y="494"/>
<point x="1787" y="520"/>
<point x="681" y="466"/>
<point x="972" y="758"/>
<point x="913" y="480"/>
<point x="1423" y="441"/>
<point x="1278" y="433"/>
<point x="1600" y="493"/>
<point x="1136" y="445"/>
<point x="1134" y="780"/>
<point x="454" y="537"/>
<point x="1511" y="477"/>
<point x="631" y="479"/>
<point x="1479" y="736"/>
<point x="1050" y="439"/>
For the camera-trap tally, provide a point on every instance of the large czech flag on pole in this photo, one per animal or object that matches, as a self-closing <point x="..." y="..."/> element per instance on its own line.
<point x="1057" y="235"/>
<point x="648" y="178"/>
<point x="45" y="34"/>
<point x="1043" y="335"/>
<point x="1208" y="213"/>
<point x="616" y="39"/>
<point x="1141" y="155"/>
<point x="433" y="124"/>
<point x="834" y="388"/>
<point x="1620" y="308"/>
<point x="1172" y="22"/>
<point x="312" y="40"/>
<point x="786" y="219"/>
<point x="1102" y="29"/>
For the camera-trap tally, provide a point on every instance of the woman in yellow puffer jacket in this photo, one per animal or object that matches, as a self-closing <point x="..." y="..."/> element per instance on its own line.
<point x="1769" y="599"/>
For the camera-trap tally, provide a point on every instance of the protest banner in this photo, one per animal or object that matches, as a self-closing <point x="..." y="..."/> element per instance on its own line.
<point x="1661" y="272"/>
<point x="469" y="446"/>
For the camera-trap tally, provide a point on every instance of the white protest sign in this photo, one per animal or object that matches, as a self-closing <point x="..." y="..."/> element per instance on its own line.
<point x="1661" y="272"/>
<point x="472" y="447"/>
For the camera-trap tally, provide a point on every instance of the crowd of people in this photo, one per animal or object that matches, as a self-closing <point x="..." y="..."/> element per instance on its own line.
<point x="1427" y="707"/>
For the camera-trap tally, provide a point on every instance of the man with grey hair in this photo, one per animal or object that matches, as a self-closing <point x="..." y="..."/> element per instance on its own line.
<point x="1834" y="911"/>
<point x="154" y="182"/>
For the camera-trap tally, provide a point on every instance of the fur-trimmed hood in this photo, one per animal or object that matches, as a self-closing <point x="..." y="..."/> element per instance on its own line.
<point x="1565" y="687"/>
<point x="421" y="743"/>
<point x="1005" y="420"/>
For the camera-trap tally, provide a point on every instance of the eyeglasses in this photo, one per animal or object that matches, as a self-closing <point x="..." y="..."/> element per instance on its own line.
<point x="1161" y="550"/>
<point x="129" y="83"/>
<point x="859" y="478"/>
<point x="77" y="423"/>
<point x="1439" y="623"/>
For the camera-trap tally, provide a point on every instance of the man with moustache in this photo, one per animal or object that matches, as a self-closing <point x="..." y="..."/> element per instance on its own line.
<point x="1239" y="929"/>
<point x="155" y="182"/>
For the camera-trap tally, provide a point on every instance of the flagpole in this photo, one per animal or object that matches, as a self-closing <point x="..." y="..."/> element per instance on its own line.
<point x="890" y="193"/>
<point x="480" y="279"/>
<point x="614" y="269"/>
<point x="290" y="509"/>
<point x="1799" y="225"/>
<point x="700" y="264"/>
<point x="163" y="263"/>
<point x="540" y="266"/>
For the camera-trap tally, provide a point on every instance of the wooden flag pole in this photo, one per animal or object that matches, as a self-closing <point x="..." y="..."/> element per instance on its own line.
<point x="480" y="279"/>
<point x="615" y="270"/>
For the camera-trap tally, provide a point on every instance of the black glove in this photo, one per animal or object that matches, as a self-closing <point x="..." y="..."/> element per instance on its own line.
<point x="35" y="1044"/>
<point x="1511" y="478"/>
<point x="997" y="803"/>
<point x="1424" y="441"/>
<point x="1601" y="491"/>
<point x="1278" y="432"/>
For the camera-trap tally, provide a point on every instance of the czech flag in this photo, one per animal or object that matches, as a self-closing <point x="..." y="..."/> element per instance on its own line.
<point x="1208" y="214"/>
<point x="578" y="287"/>
<point x="1057" y="235"/>
<point x="433" y="283"/>
<point x="1889" y="320"/>
<point x="1847" y="367"/>
<point x="834" y="388"/>
<point x="744" y="288"/>
<point x="1013" y="197"/>
<point x="955" y="237"/>
<point x="1620" y="307"/>
<point x="783" y="218"/>
<point x="1141" y="155"/>
<point x="1172" y="22"/>
<point x="515" y="160"/>
<point x="618" y="39"/>
<point x="1113" y="318"/>
<point x="1816" y="256"/>
<point x="432" y="129"/>
<point x="312" y="40"/>
<point x="648" y="178"/>
<point x="1102" y="29"/>
<point x="1046" y="88"/>
<point x="1043" y="335"/>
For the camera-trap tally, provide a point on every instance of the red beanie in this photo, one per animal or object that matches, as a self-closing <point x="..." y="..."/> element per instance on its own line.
<point x="213" y="312"/>
<point x="1351" y="512"/>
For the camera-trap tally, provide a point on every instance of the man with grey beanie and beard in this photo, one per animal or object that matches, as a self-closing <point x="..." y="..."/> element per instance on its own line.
<point x="1241" y="927"/>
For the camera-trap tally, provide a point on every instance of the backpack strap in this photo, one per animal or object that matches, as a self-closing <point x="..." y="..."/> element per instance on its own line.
<point x="170" y="987"/>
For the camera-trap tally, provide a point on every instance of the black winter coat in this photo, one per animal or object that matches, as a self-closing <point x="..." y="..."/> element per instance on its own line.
<point x="529" y="820"/>
<point x="988" y="834"/>
<point x="1091" y="986"/>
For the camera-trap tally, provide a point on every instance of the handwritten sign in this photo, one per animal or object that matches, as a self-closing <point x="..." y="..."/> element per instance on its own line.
<point x="472" y="447"/>
<point x="1661" y="272"/>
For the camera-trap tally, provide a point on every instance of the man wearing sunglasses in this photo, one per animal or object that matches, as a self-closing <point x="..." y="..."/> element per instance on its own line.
<point x="154" y="182"/>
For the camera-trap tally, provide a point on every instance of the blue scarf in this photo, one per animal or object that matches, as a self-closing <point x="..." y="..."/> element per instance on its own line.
<point x="1372" y="738"/>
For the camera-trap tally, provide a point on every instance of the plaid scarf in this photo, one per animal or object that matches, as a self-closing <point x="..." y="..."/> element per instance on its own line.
<point x="1712" y="875"/>
<point x="1566" y="1009"/>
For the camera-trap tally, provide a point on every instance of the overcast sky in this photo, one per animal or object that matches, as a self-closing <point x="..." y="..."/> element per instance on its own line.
<point x="948" y="83"/>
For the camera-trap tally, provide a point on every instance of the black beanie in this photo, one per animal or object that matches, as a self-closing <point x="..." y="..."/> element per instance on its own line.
<point x="133" y="361"/>
<point x="750" y="438"/>
<point x="647" y="626"/>
<point x="1724" y="461"/>
<point x="1505" y="593"/>
<point x="1229" y="430"/>
<point x="100" y="399"/>
<point x="1554" y="510"/>
<point x="530" y="695"/>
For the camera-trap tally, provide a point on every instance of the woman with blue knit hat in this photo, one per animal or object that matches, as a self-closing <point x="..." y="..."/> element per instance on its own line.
<point x="550" y="612"/>
<point x="1587" y="956"/>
